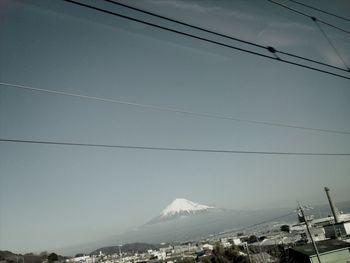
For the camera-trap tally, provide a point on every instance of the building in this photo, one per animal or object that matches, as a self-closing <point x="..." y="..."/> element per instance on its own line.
<point x="158" y="254"/>
<point x="81" y="258"/>
<point x="236" y="241"/>
<point x="329" y="250"/>
<point x="207" y="247"/>
<point x="335" y="230"/>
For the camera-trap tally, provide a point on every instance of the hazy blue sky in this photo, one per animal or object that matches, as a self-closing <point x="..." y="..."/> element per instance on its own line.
<point x="55" y="196"/>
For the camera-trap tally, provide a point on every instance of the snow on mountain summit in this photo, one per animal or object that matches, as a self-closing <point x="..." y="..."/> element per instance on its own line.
<point x="181" y="205"/>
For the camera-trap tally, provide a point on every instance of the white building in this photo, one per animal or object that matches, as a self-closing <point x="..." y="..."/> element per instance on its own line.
<point x="207" y="247"/>
<point x="81" y="259"/>
<point x="236" y="241"/>
<point x="159" y="254"/>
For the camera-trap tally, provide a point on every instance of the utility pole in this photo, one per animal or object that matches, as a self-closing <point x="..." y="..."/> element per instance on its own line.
<point x="334" y="211"/>
<point x="308" y="230"/>
<point x="246" y="245"/>
<point x="261" y="252"/>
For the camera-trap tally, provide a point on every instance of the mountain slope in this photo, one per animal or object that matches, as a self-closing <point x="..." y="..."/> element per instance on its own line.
<point x="181" y="205"/>
<point x="181" y="208"/>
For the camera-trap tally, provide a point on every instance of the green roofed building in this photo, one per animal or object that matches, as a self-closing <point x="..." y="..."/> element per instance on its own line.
<point x="330" y="251"/>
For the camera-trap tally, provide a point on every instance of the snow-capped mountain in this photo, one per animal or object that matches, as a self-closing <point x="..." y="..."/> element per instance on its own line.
<point x="181" y="207"/>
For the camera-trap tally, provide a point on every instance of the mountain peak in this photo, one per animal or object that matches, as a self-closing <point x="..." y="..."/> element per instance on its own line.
<point x="180" y="205"/>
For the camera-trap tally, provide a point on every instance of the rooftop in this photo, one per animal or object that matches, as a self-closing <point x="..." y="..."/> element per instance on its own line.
<point x="339" y="223"/>
<point x="322" y="246"/>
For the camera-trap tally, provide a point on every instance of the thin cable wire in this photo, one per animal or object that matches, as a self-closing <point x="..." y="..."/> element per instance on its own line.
<point x="170" y="109"/>
<point x="133" y="147"/>
<point x="206" y="39"/>
<point x="320" y="10"/>
<point x="309" y="16"/>
<point x="223" y="35"/>
<point x="330" y="43"/>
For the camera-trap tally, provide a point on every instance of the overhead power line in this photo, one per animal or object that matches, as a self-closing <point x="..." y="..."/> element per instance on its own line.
<point x="317" y="21"/>
<point x="208" y="40"/>
<point x="309" y="16"/>
<point x="320" y="10"/>
<point x="171" y="109"/>
<point x="266" y="48"/>
<point x="330" y="43"/>
<point x="152" y="148"/>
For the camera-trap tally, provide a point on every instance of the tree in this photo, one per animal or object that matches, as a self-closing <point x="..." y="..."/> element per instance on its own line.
<point x="219" y="254"/>
<point x="187" y="260"/>
<point x="205" y="260"/>
<point x="227" y="255"/>
<point x="285" y="228"/>
<point x="252" y="239"/>
<point x="219" y="249"/>
<point x="52" y="257"/>
<point x="261" y="238"/>
<point x="43" y="254"/>
<point x="233" y="255"/>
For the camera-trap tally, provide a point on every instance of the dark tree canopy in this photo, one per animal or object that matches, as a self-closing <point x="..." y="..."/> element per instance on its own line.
<point x="52" y="257"/>
<point x="285" y="228"/>
<point x="252" y="239"/>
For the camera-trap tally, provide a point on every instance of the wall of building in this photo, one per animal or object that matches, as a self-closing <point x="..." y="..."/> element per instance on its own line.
<point x="347" y="228"/>
<point x="339" y="256"/>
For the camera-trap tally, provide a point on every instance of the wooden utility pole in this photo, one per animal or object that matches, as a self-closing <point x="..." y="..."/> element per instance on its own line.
<point x="308" y="230"/>
<point x="261" y="252"/>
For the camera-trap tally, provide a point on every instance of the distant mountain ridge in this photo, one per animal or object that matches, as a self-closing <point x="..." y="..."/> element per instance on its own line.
<point x="10" y="257"/>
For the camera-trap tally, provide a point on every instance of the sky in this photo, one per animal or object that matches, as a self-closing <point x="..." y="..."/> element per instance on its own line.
<point x="55" y="196"/>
